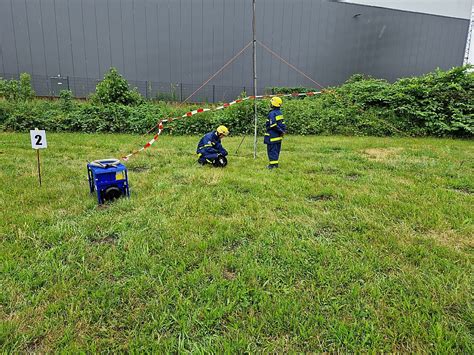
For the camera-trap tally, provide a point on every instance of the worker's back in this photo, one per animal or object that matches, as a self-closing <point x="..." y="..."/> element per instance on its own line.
<point x="208" y="140"/>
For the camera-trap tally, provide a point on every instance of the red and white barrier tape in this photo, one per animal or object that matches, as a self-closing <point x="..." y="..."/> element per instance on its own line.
<point x="200" y="110"/>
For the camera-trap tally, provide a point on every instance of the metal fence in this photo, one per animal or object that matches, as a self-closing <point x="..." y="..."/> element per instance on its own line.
<point x="45" y="86"/>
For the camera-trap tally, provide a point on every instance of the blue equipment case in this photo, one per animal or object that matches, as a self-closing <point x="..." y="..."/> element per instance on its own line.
<point x="109" y="178"/>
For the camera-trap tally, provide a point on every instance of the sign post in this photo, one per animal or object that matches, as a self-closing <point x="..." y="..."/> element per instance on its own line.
<point x="38" y="141"/>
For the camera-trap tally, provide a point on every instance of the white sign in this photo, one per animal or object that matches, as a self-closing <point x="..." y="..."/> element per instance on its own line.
<point x="38" y="139"/>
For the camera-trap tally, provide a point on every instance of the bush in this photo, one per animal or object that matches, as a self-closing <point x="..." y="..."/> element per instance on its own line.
<point x="289" y="90"/>
<point x="437" y="104"/>
<point x="14" y="90"/>
<point x="3" y="87"/>
<point x="10" y="90"/>
<point x="5" y="111"/>
<point x="441" y="103"/>
<point x="26" y="92"/>
<point x="166" y="96"/>
<point x="114" y="89"/>
<point x="26" y="115"/>
<point x="66" y="100"/>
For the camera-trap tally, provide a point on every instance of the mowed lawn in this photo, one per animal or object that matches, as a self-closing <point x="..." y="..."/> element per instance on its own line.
<point x="354" y="245"/>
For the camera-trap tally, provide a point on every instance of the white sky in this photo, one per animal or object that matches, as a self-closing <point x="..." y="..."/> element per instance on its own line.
<point x="454" y="8"/>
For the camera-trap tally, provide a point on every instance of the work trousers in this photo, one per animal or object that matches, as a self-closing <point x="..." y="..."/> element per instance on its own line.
<point x="273" y="151"/>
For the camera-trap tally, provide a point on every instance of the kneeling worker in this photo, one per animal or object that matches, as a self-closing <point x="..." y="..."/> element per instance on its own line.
<point x="210" y="149"/>
<point x="276" y="128"/>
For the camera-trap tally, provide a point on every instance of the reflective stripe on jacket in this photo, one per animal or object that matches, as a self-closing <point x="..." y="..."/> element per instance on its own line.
<point x="210" y="144"/>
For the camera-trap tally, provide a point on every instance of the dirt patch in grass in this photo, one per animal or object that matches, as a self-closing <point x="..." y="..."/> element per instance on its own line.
<point x="241" y="189"/>
<point x="324" y="234"/>
<point x="320" y="197"/>
<point x="333" y="149"/>
<point x="34" y="344"/>
<point x="450" y="239"/>
<point x="229" y="274"/>
<point x="353" y="177"/>
<point x="212" y="179"/>
<point x="463" y="190"/>
<point x="139" y="169"/>
<point x="234" y="245"/>
<point x="181" y="179"/>
<point x="329" y="170"/>
<point x="382" y="154"/>
<point x="106" y="238"/>
<point x="322" y="170"/>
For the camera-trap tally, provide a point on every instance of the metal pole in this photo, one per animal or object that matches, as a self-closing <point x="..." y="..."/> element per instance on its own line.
<point x="237" y="150"/>
<point x="467" y="52"/>
<point x="39" y="165"/>
<point x="254" y="81"/>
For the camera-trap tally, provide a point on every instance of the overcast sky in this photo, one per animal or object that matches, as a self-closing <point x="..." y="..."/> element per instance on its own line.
<point x="455" y="8"/>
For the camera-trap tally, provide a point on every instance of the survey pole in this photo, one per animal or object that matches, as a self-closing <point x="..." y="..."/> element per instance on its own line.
<point x="254" y="82"/>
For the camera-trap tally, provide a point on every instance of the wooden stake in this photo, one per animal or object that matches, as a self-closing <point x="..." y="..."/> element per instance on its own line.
<point x="39" y="165"/>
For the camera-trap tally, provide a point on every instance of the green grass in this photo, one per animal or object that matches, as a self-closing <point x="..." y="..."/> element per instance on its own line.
<point x="355" y="244"/>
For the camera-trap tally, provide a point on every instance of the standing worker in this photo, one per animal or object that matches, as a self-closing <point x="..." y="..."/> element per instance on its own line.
<point x="276" y="128"/>
<point x="210" y="149"/>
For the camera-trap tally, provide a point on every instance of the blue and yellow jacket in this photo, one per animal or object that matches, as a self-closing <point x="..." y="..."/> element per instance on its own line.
<point x="275" y="127"/>
<point x="210" y="145"/>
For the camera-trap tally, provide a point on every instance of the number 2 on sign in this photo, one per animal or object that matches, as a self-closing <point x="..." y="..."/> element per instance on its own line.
<point x="38" y="139"/>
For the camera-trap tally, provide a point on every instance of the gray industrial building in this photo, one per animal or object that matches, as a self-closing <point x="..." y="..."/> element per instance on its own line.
<point x="174" y="45"/>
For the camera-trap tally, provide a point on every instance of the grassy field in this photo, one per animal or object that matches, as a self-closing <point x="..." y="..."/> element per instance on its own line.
<point x="355" y="244"/>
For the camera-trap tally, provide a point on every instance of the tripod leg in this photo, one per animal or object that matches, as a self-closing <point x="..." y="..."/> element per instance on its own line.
<point x="240" y="144"/>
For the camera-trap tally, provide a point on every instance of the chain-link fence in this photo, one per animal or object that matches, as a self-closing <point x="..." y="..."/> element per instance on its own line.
<point x="45" y="86"/>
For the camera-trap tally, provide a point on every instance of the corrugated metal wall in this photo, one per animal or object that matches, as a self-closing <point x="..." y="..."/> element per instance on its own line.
<point x="185" y="41"/>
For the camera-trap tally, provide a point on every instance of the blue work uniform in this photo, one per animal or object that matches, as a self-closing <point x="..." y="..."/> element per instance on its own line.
<point x="275" y="129"/>
<point x="210" y="147"/>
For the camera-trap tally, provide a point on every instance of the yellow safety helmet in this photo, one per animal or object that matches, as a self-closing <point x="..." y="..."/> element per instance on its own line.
<point x="276" y="101"/>
<point x="222" y="130"/>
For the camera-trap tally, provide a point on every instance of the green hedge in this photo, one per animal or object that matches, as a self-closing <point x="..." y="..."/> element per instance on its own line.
<point x="436" y="104"/>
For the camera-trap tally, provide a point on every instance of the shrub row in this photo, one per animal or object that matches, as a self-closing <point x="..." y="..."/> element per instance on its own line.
<point x="436" y="104"/>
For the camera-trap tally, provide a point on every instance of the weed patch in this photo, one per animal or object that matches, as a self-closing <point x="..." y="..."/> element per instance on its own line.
<point x="382" y="154"/>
